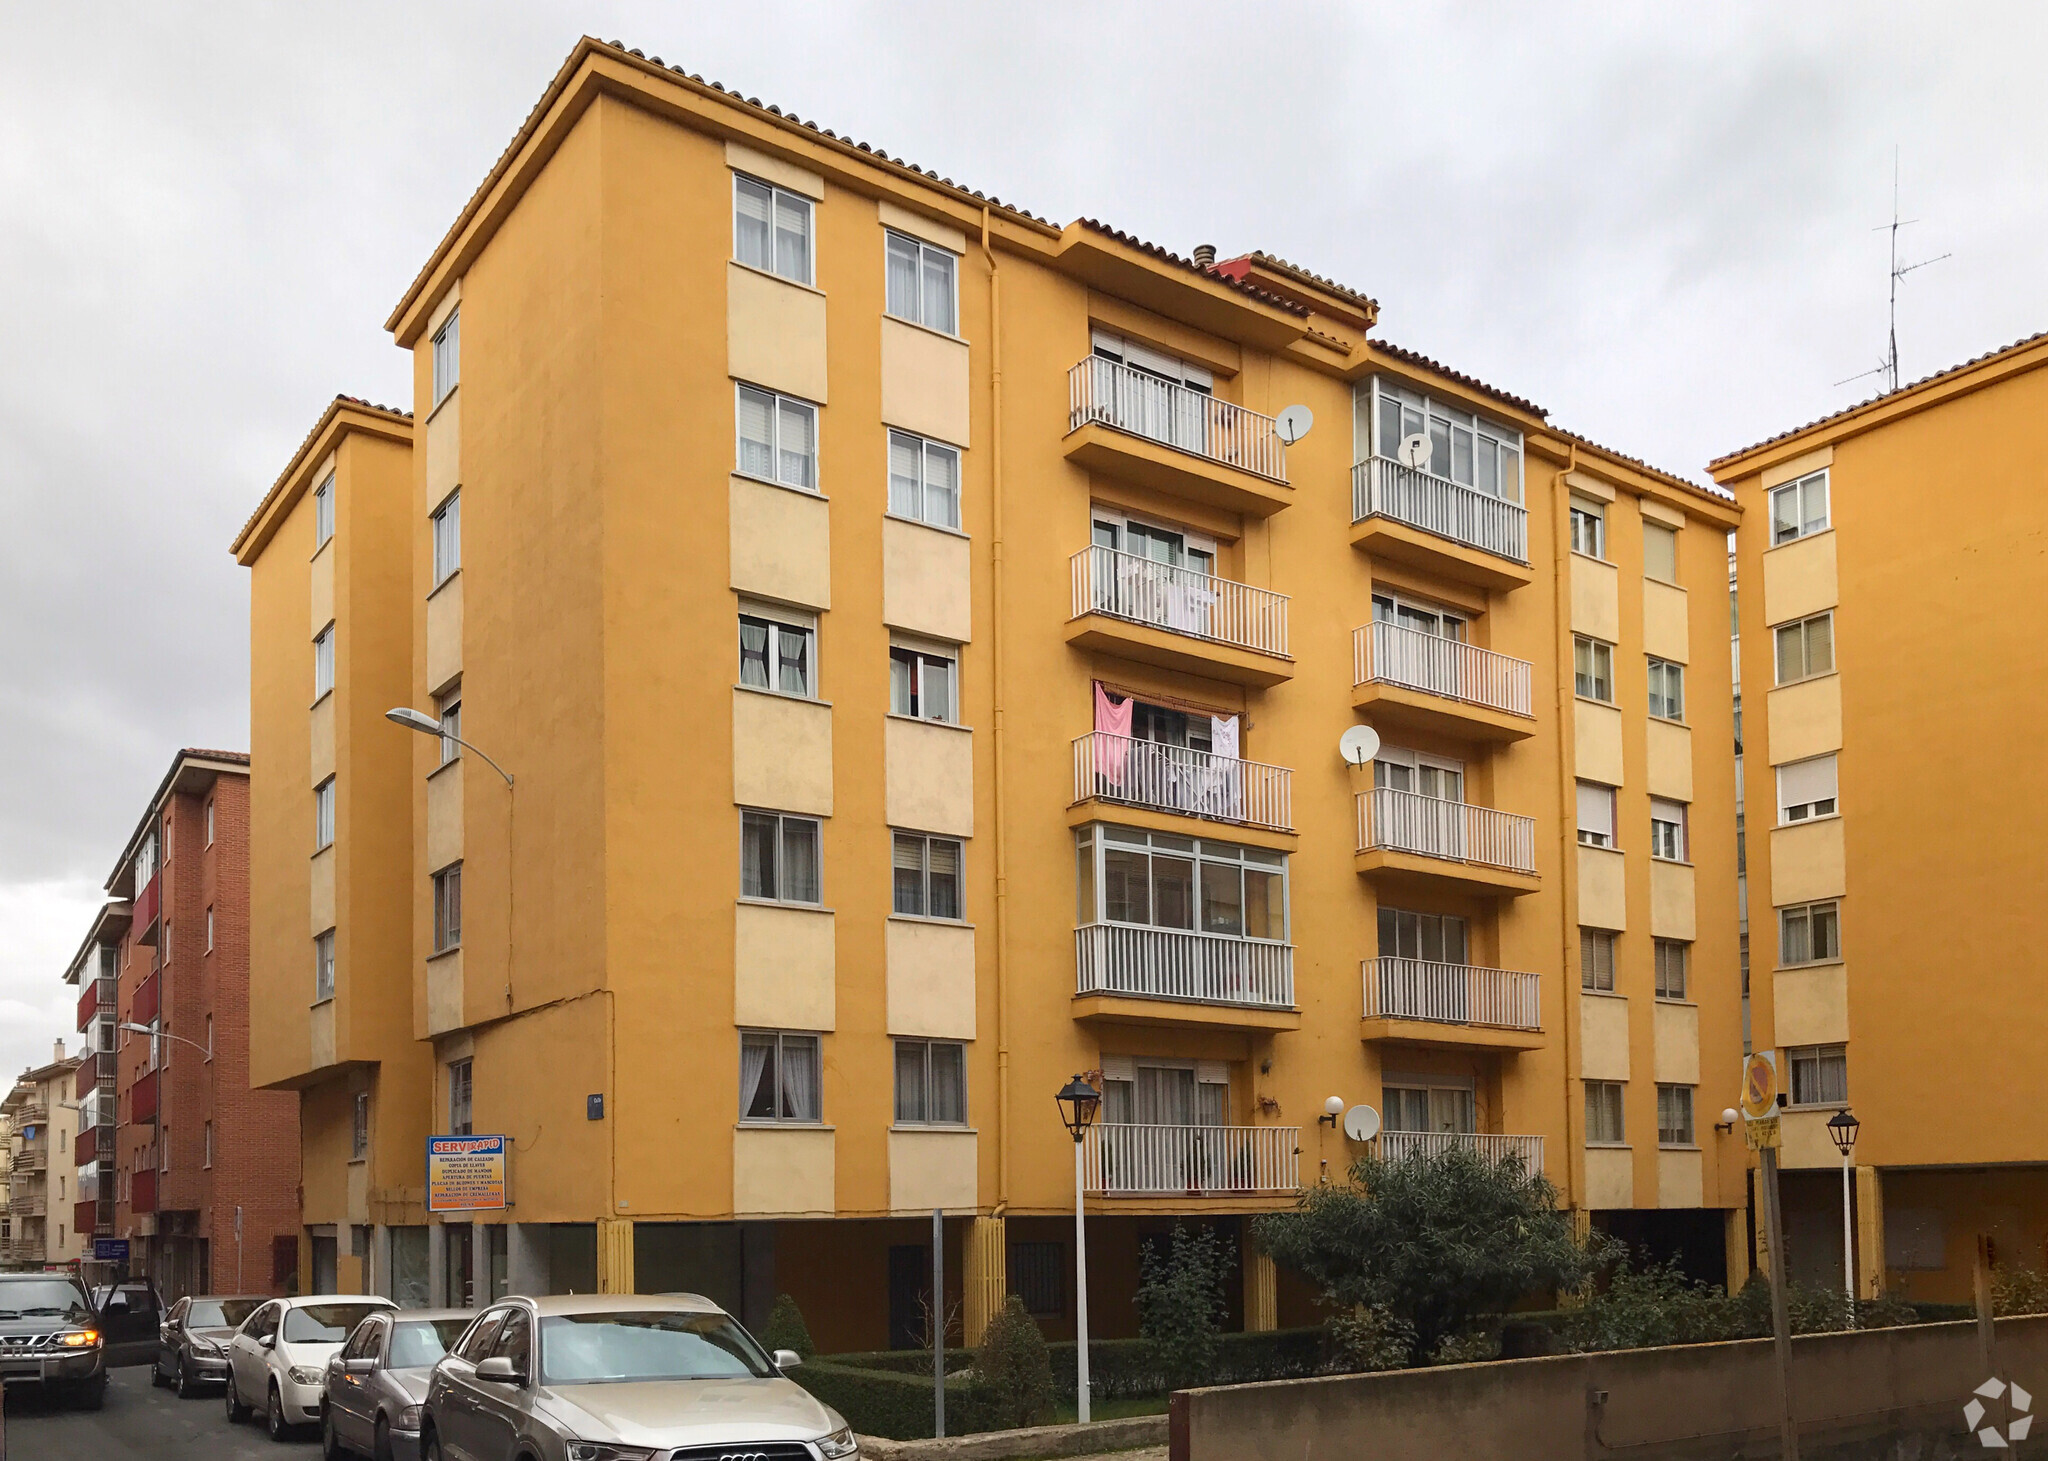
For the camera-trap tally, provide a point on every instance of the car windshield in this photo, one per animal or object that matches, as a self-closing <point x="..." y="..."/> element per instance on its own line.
<point x="418" y="1343"/>
<point x="40" y="1298"/>
<point x="324" y="1323"/>
<point x="583" y="1349"/>
<point x="219" y="1313"/>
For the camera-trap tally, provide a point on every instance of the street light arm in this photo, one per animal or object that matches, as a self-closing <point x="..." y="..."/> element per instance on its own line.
<point x="206" y="1050"/>
<point x="487" y="760"/>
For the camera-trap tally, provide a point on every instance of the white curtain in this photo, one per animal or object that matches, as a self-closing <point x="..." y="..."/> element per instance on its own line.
<point x="754" y="1051"/>
<point x="800" y="1077"/>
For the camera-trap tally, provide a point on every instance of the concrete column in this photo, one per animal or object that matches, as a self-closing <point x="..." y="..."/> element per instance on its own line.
<point x="1735" y="1231"/>
<point x="985" y="1279"/>
<point x="526" y="1259"/>
<point x="615" y="1255"/>
<point x="1869" y="1232"/>
<point x="1261" y="1291"/>
<point x="437" y="1264"/>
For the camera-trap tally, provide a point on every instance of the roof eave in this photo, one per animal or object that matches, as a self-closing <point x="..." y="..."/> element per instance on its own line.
<point x="343" y="415"/>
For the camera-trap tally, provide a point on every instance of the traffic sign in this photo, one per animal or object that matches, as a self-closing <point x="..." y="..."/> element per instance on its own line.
<point x="1761" y="1135"/>
<point x="1760" y="1085"/>
<point x="110" y="1250"/>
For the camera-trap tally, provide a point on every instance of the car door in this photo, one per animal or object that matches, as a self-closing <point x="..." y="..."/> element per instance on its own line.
<point x="246" y="1354"/>
<point x="457" y="1417"/>
<point x="501" y="1406"/>
<point x="347" y="1388"/>
<point x="167" y="1338"/>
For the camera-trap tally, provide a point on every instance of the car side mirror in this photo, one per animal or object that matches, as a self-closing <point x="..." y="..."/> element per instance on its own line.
<point x="787" y="1359"/>
<point x="500" y="1369"/>
<point x="267" y="1341"/>
<point x="360" y="1365"/>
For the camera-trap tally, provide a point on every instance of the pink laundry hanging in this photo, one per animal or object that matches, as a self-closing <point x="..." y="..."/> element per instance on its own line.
<point x="1112" y="735"/>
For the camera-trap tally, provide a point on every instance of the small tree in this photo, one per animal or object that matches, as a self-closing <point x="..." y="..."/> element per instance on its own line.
<point x="1181" y="1304"/>
<point x="786" y="1328"/>
<point x="1432" y="1241"/>
<point x="1012" y="1371"/>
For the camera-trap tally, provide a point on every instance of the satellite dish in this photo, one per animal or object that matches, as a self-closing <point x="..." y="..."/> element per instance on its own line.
<point x="1292" y="424"/>
<point x="1361" y="1123"/>
<point x="1359" y="745"/>
<point x="1413" y="452"/>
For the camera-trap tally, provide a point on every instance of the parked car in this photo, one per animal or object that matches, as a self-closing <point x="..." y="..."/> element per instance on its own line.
<point x="620" y="1375"/>
<point x="129" y="1311"/>
<point x="278" y="1358"/>
<point x="50" y="1335"/>
<point x="192" y="1342"/>
<point x="377" y="1382"/>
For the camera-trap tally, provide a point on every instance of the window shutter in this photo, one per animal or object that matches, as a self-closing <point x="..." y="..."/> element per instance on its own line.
<point x="1119" y="1068"/>
<point x="1596" y="808"/>
<point x="1212" y="1072"/>
<point x="1806" y="781"/>
<point x="1664" y="811"/>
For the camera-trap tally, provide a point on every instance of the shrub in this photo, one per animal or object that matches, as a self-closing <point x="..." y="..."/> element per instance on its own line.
<point x="1181" y="1304"/>
<point x="1369" y="1339"/>
<point x="786" y="1328"/>
<point x="879" y="1402"/>
<point x="2018" y="1290"/>
<point x="1012" y="1375"/>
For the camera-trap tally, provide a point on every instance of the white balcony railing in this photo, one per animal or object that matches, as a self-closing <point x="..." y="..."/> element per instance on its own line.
<point x="1451" y="994"/>
<point x="1394" y="1145"/>
<point x="1137" y="1160"/>
<point x="1166" y="778"/>
<point x="1383" y="488"/>
<point x="1179" y="600"/>
<point x="1394" y="654"/>
<point x="1165" y="963"/>
<point x="1407" y="821"/>
<point x="1118" y="396"/>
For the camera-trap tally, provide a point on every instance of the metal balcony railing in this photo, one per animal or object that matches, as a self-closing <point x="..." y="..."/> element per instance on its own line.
<point x="1393" y="654"/>
<point x="1408" y="821"/>
<point x="1394" y="1145"/>
<point x="1118" y="396"/>
<point x="142" y="1098"/>
<point x="1451" y="994"/>
<point x="1383" y="488"/>
<point x="148" y="998"/>
<point x="34" y="1113"/>
<point x="21" y="1251"/>
<point x="1179" y="600"/>
<point x="1164" y="963"/>
<point x="1134" y="1160"/>
<point x="1195" y="783"/>
<point x="27" y="1204"/>
<point x="142" y="1190"/>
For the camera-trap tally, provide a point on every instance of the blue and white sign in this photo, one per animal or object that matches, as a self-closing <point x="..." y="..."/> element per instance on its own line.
<point x="110" y="1250"/>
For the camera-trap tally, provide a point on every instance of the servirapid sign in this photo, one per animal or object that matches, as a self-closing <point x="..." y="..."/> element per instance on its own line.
<point x="465" y="1173"/>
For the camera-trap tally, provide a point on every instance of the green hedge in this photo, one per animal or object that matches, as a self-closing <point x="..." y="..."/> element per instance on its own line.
<point x="888" y="1402"/>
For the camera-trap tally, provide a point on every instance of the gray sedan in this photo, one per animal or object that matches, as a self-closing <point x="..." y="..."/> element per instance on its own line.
<point x="192" y="1342"/>
<point x="378" y="1381"/>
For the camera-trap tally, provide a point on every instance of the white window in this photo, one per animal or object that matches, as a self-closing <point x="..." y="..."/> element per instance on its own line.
<point x="460" y="1121"/>
<point x="1667" y="689"/>
<point x="447" y="538"/>
<point x="778" y="438"/>
<point x="1589" y="528"/>
<point x="1604" y="1126"/>
<point x="323" y="513"/>
<point x="209" y="928"/>
<point x="323" y="967"/>
<point x="1660" y="552"/>
<point x="447" y="356"/>
<point x="1592" y="669"/>
<point x="922" y="684"/>
<point x="1420" y="1107"/>
<point x="922" y="286"/>
<point x="779" y="857"/>
<point x="1596" y="814"/>
<point x="323" y="662"/>
<point x="1810" y="933"/>
<point x="1674" y="958"/>
<point x="1436" y="938"/>
<point x="1399" y="769"/>
<point x="779" y="1076"/>
<point x="1596" y="960"/>
<point x="1463" y="448"/>
<point x="924" y="480"/>
<point x="448" y="908"/>
<point x="1667" y="830"/>
<point x="926" y="875"/>
<point x="1674" y="1116"/>
<point x="209" y="1144"/>
<point x="1806" y="649"/>
<point x="778" y="651"/>
<point x="451" y="728"/>
<point x="1800" y="508"/>
<point x="931" y="1083"/>
<point x="771" y="229"/>
<point x="1806" y="789"/>
<point x="323" y="814"/>
<point x="1820" y="1074"/>
<point x="1158" y="880"/>
<point x="359" y="1135"/>
<point x="1419" y="615"/>
<point x="209" y="821"/>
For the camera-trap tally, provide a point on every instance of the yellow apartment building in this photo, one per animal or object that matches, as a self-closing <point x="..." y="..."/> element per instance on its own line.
<point x="1887" y="558"/>
<point x="331" y="957"/>
<point x="896" y="625"/>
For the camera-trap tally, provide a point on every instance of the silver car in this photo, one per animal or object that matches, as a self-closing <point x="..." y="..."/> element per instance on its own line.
<point x="192" y="1342"/>
<point x="621" y="1377"/>
<point x="377" y="1382"/>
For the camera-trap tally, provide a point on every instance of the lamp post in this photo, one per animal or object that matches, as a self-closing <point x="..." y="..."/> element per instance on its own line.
<point x="1843" y="1128"/>
<point x="1079" y="1102"/>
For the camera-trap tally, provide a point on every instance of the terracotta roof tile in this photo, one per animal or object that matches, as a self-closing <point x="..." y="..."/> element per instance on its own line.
<point x="1207" y="271"/>
<point x="1705" y="489"/>
<point x="1309" y="276"/>
<point x="319" y="426"/>
<point x="1413" y="357"/>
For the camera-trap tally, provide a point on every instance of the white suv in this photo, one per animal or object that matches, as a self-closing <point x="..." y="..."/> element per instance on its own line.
<point x="278" y="1358"/>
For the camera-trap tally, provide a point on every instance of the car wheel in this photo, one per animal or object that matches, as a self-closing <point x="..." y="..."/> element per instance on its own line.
<point x="156" y="1372"/>
<point x="380" y="1446"/>
<point x="273" y="1415"/>
<point x="181" y="1383"/>
<point x="430" y="1447"/>
<point x="237" y="1412"/>
<point x="331" y="1448"/>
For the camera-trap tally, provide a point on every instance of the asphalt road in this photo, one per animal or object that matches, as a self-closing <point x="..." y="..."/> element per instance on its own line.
<point x="139" y="1423"/>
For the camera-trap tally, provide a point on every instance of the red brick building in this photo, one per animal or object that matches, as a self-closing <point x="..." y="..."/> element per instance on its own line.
<point x="179" y="1156"/>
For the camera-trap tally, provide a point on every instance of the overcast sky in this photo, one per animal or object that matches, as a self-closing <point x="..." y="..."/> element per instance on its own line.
<point x="1654" y="220"/>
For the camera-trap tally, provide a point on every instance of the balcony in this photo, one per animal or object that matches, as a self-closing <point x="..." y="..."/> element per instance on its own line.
<point x="1408" y="839"/>
<point x="86" y="1219"/>
<point x="142" y="1099"/>
<point x="1188" y="783"/>
<point x="98" y="994"/>
<point x="148" y="1000"/>
<point x="27" y="1202"/>
<point x="30" y="1159"/>
<point x="1421" y="1002"/>
<point x="1394" y="1145"/>
<point x="1131" y="975"/>
<point x="146" y="907"/>
<point x="1438" y="525"/>
<point x="1178" y="618"/>
<point x="1191" y="1161"/>
<point x="33" y="1113"/>
<point x="94" y="1144"/>
<point x="94" y="1072"/>
<point x="1127" y="423"/>
<point x="22" y="1251"/>
<point x="1424" y="682"/>
<point x="142" y="1190"/>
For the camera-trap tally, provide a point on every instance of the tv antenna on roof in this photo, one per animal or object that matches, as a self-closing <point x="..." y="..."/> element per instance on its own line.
<point x="1888" y="366"/>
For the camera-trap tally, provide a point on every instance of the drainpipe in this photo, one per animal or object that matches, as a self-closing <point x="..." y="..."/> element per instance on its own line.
<point x="1567" y="825"/>
<point x="995" y="456"/>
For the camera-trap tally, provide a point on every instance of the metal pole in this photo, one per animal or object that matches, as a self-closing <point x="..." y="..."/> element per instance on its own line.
<point x="1848" y="1240"/>
<point x="1781" y="1328"/>
<point x="938" y="1323"/>
<point x="1080" y="1293"/>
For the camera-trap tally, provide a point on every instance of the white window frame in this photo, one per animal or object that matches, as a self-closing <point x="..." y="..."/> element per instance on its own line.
<point x="809" y="1046"/>
<point x="323" y="967"/>
<point x="451" y="727"/>
<point x="1804" y="627"/>
<point x="1805" y="914"/>
<point x="1810" y="1065"/>
<point x="913" y="666"/>
<point x="323" y="513"/>
<point x="447" y="933"/>
<point x="1442" y="422"/>
<point x="1656" y="532"/>
<point x="928" y="452"/>
<point x="924" y="1097"/>
<point x="323" y="815"/>
<point x="462" y="1097"/>
<point x="1675" y="1115"/>
<point x="922" y="309"/>
<point x="209" y="928"/>
<point x="1589" y="528"/>
<point x="1669" y="841"/>
<point x="1595" y="836"/>
<point x="447" y="530"/>
<point x="1596" y="959"/>
<point x="776" y="889"/>
<point x="209" y="821"/>
<point x="778" y="199"/>
<point x="1401" y="607"/>
<point x="1667" y="690"/>
<point x="1672" y="956"/>
<point x="777" y="403"/>
<point x="1813" y="807"/>
<point x="779" y="623"/>
<point x="1106" y="345"/>
<point x="1799" y="495"/>
<point x="903" y="844"/>
<point x="1419" y="762"/>
<point x="1094" y="843"/>
<point x="323" y="662"/>
<point x="1436" y="1091"/>
<point x="448" y="355"/>
<point x="1587" y="683"/>
<point x="1605" y="1099"/>
<point x="359" y="1128"/>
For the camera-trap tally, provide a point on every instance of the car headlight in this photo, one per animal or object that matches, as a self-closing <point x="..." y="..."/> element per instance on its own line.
<point x="302" y="1375"/>
<point x="606" y="1451"/>
<point x="409" y="1418"/>
<point x="79" y="1339"/>
<point x="839" y="1444"/>
<point x="205" y="1346"/>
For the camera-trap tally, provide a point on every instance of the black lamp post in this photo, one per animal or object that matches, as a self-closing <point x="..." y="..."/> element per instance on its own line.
<point x="1842" y="1128"/>
<point x="1079" y="1105"/>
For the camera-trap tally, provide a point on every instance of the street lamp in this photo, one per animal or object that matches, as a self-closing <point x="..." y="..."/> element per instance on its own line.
<point x="206" y="1050"/>
<point x="426" y="725"/>
<point x="1843" y="1128"/>
<point x="1079" y="1102"/>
